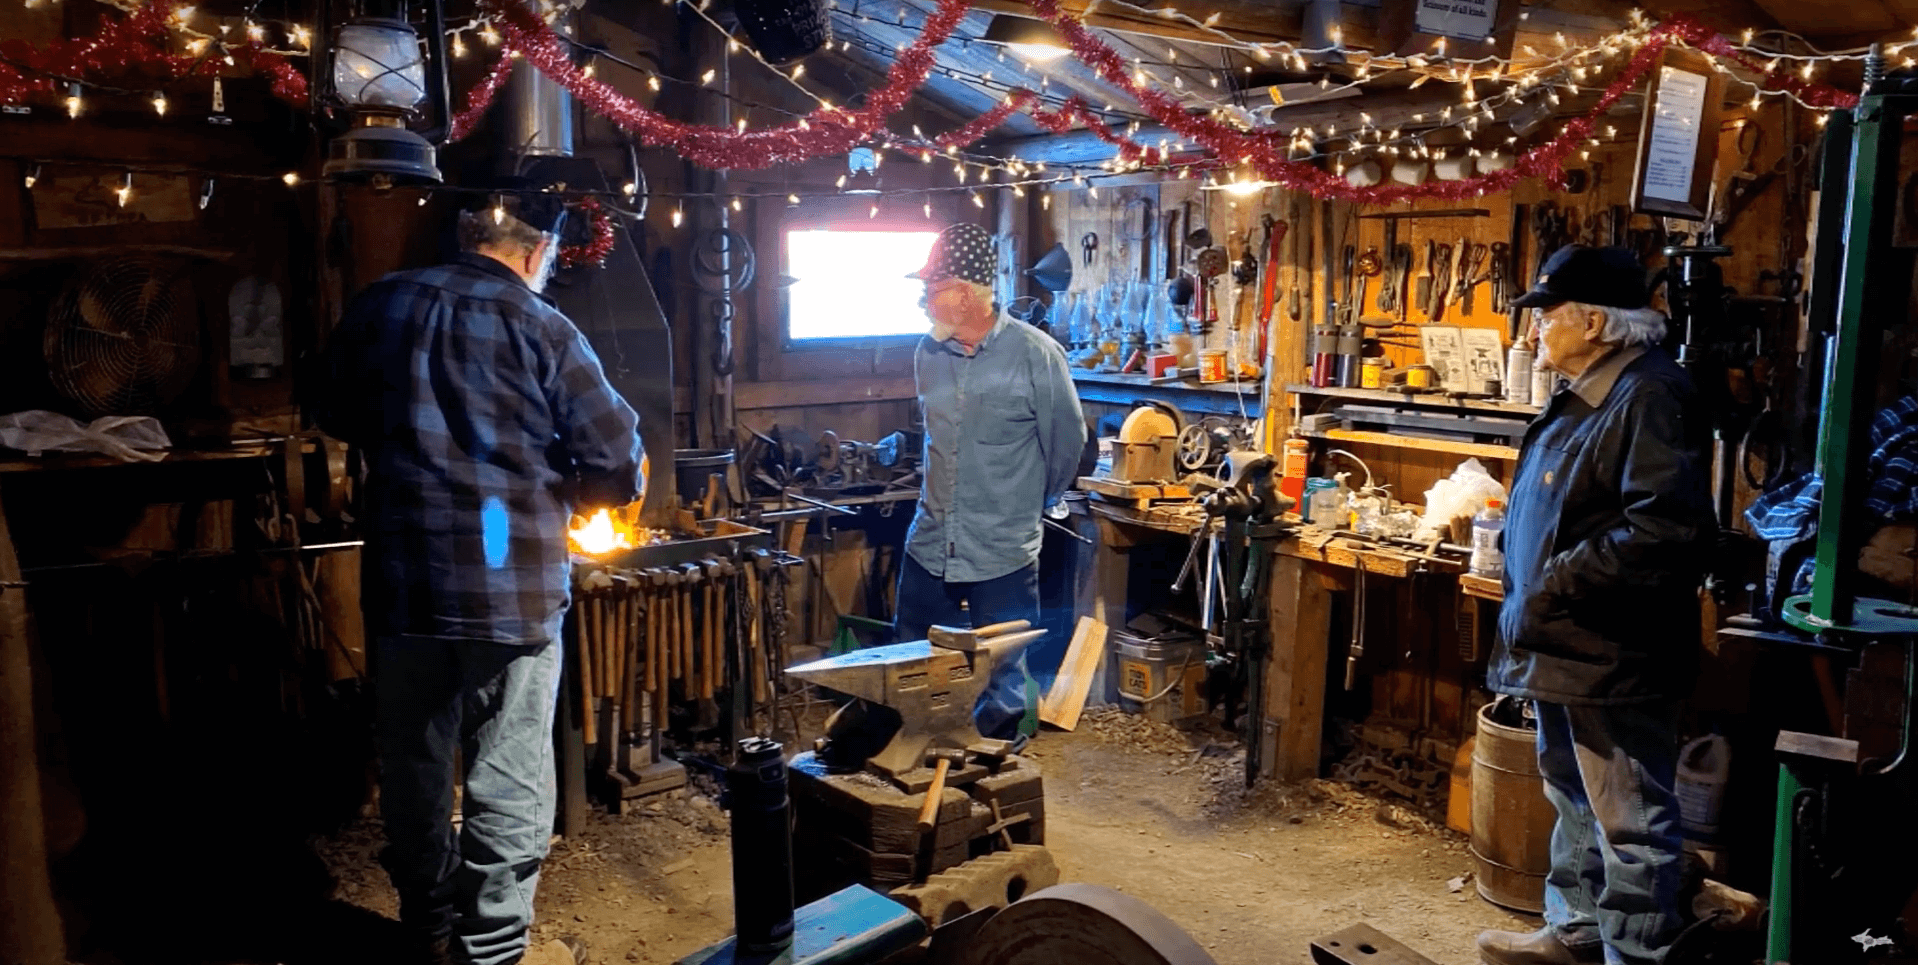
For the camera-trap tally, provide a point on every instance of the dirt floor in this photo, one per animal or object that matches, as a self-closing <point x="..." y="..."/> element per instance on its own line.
<point x="1159" y="813"/>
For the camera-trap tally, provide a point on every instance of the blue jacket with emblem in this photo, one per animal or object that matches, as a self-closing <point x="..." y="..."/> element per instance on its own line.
<point x="1607" y="539"/>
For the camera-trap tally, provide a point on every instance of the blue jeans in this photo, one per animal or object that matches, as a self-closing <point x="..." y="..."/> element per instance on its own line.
<point x="1616" y="851"/>
<point x="926" y="600"/>
<point x="494" y="702"/>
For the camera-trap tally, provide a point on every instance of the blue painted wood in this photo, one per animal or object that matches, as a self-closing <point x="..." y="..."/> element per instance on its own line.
<point x="849" y="927"/>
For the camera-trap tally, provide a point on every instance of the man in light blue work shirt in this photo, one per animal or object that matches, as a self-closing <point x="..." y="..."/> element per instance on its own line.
<point x="1004" y="433"/>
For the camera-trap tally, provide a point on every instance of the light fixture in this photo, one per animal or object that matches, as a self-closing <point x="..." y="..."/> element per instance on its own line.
<point x="1240" y="188"/>
<point x="379" y="79"/>
<point x="1032" y="40"/>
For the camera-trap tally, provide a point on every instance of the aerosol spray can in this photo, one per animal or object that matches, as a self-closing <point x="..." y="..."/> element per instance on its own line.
<point x="1518" y="374"/>
<point x="1544" y="381"/>
<point x="762" y="847"/>
<point x="1325" y="357"/>
<point x="1351" y="342"/>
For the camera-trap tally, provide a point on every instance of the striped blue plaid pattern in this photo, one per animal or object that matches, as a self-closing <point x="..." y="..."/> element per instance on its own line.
<point x="485" y="417"/>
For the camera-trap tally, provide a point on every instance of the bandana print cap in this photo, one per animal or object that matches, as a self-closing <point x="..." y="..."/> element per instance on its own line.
<point x="962" y="251"/>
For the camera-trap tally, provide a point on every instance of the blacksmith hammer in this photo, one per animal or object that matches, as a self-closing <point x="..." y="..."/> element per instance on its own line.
<point x="971" y="639"/>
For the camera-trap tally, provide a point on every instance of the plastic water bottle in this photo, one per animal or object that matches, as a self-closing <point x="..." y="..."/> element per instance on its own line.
<point x="1487" y="559"/>
<point x="1703" y="767"/>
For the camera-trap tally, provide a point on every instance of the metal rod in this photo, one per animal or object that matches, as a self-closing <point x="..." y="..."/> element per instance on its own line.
<point x="822" y="504"/>
<point x="1069" y="531"/>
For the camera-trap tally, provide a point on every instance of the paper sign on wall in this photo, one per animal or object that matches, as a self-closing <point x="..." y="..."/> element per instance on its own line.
<point x="1673" y="148"/>
<point x="1464" y="19"/>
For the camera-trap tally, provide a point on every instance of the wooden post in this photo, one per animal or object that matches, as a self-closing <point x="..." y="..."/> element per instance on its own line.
<point x="1295" y="675"/>
<point x="28" y="916"/>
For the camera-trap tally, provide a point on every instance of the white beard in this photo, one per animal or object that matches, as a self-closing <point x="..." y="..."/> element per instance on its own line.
<point x="941" y="332"/>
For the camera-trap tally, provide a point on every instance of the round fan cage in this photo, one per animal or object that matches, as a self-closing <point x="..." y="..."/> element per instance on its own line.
<point x="123" y="337"/>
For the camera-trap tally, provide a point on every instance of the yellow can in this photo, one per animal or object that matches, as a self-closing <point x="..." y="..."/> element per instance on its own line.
<point x="1212" y="365"/>
<point x="1372" y="373"/>
<point x="1419" y="377"/>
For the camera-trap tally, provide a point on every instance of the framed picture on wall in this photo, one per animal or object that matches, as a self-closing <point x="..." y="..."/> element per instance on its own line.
<point x="1678" y="137"/>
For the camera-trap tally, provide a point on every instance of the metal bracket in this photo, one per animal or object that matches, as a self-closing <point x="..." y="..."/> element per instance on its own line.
<point x="1869" y="617"/>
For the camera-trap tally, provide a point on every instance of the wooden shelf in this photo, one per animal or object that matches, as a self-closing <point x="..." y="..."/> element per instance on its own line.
<point x="53" y="461"/>
<point x="1114" y="388"/>
<point x="1434" y="400"/>
<point x="1481" y="450"/>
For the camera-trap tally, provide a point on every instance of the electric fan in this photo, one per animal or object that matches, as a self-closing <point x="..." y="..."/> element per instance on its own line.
<point x="123" y="338"/>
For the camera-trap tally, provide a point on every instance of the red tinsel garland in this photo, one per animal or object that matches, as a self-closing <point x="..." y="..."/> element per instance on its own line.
<point x="595" y="251"/>
<point x="1269" y="155"/>
<point x="479" y="99"/>
<point x="828" y="130"/>
<point x="136" y="44"/>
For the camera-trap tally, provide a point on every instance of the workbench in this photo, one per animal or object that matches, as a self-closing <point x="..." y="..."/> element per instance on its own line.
<point x="1309" y="564"/>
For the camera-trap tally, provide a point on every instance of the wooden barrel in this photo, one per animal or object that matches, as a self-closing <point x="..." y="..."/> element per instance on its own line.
<point x="1511" y="819"/>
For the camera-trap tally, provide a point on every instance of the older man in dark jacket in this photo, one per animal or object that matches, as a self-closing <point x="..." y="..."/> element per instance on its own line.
<point x="1605" y="545"/>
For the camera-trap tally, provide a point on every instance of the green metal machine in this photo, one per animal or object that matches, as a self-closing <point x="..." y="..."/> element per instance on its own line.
<point x="1828" y="798"/>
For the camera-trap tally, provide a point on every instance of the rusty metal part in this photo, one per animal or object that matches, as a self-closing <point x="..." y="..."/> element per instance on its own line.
<point x="1082" y="923"/>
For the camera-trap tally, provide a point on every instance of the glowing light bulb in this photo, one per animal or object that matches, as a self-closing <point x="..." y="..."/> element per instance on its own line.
<point x="737" y="206"/>
<point x="255" y="33"/>
<point x="33" y="176"/>
<point x="125" y="190"/>
<point x="159" y="103"/>
<point x="679" y="216"/>
<point x="459" y="46"/>
<point x="499" y="213"/>
<point x="977" y="201"/>
<point x="707" y="77"/>
<point x="653" y="83"/>
<point x="792" y="199"/>
<point x="292" y="179"/>
<point x="488" y="34"/>
<point x="74" y="104"/>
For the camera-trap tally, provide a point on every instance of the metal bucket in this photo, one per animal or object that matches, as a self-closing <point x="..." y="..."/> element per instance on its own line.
<point x="1511" y="819"/>
<point x="691" y="469"/>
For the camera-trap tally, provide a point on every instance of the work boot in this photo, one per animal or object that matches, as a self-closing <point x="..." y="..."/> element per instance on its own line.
<point x="1540" y="947"/>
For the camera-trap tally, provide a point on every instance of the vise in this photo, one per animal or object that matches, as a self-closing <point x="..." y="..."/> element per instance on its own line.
<point x="931" y="684"/>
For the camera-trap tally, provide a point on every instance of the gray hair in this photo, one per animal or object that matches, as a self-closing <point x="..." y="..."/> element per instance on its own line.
<point x="480" y="229"/>
<point x="1629" y="327"/>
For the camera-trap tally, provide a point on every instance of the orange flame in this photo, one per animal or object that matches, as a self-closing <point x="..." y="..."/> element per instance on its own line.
<point x="599" y="534"/>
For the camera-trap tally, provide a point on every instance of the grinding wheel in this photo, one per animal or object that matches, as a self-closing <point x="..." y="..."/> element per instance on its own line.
<point x="1081" y="924"/>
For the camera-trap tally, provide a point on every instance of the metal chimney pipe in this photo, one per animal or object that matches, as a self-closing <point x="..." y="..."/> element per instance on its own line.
<point x="539" y="112"/>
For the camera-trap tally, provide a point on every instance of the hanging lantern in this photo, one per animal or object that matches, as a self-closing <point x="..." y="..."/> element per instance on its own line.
<point x="379" y="78"/>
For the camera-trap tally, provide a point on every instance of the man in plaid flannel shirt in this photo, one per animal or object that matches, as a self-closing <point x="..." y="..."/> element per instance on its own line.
<point x="485" y="420"/>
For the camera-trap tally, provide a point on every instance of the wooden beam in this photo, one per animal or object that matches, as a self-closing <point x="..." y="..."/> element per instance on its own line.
<point x="1269" y="26"/>
<point x="1294" y="711"/>
<point x="787" y="395"/>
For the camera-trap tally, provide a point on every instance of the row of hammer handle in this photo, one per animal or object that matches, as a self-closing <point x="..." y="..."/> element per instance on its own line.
<point x="653" y="628"/>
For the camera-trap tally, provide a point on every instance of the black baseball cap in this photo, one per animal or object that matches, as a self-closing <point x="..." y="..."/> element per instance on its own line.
<point x="526" y="200"/>
<point x="1590" y="276"/>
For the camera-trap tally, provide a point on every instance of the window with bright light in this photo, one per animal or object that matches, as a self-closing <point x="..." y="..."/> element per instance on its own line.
<point x="853" y="284"/>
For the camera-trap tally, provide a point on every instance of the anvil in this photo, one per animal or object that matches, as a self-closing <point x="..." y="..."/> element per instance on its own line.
<point x="933" y="689"/>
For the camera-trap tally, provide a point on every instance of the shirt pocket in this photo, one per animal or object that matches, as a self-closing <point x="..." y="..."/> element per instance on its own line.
<point x="1004" y="420"/>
